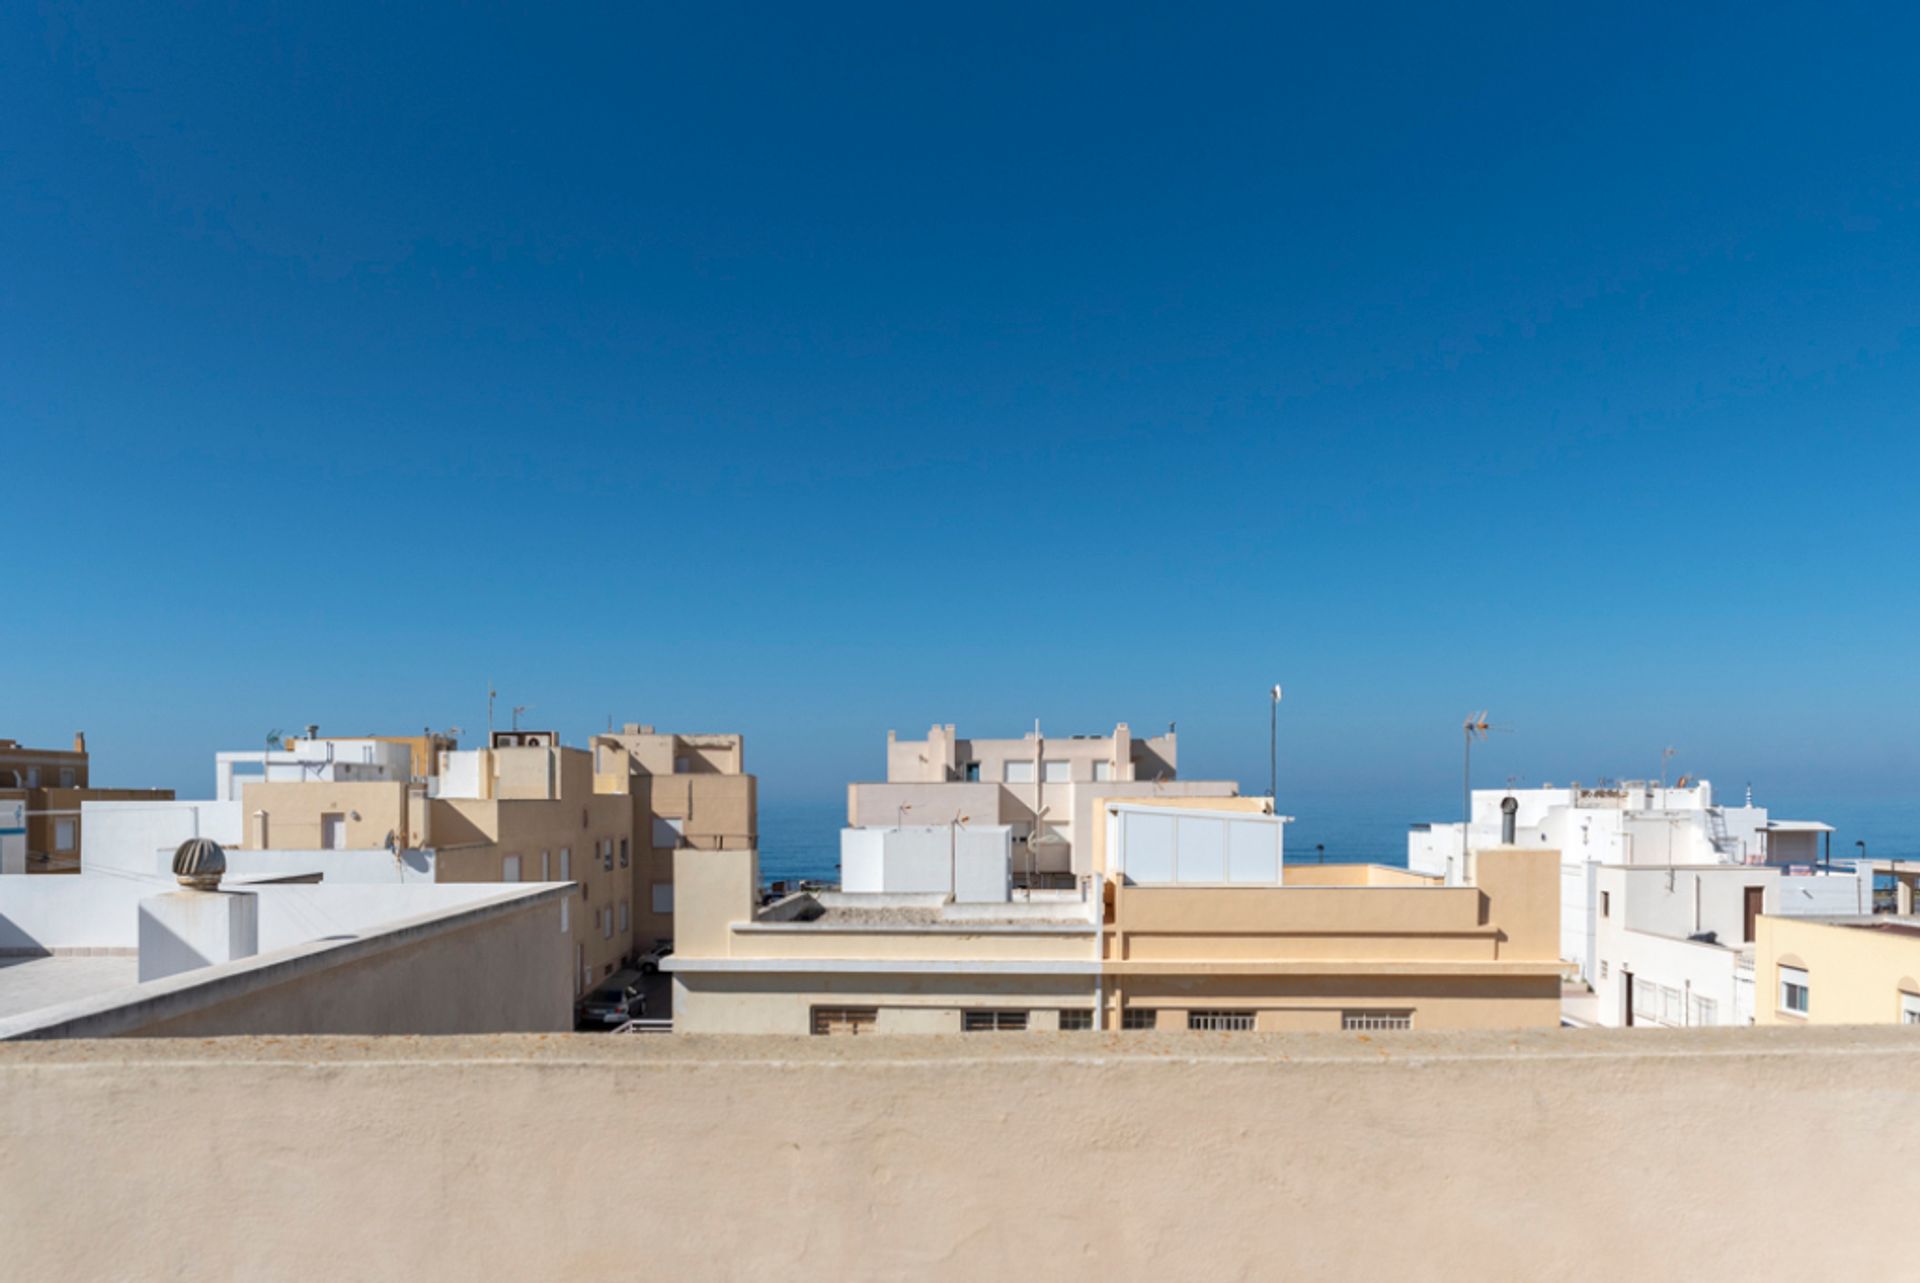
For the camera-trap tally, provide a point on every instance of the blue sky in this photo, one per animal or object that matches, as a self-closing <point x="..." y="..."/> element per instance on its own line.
<point x="811" y="371"/>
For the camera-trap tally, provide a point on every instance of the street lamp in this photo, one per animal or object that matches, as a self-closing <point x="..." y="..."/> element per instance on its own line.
<point x="1273" y="748"/>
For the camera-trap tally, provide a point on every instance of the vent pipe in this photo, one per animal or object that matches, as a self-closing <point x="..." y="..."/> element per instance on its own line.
<point x="1509" y="808"/>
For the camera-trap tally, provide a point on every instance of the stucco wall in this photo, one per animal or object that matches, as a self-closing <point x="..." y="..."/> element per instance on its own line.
<point x="1855" y="975"/>
<point x="1076" y="1156"/>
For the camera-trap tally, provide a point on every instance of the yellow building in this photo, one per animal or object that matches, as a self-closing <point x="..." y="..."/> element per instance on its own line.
<point x="49" y="785"/>
<point x="1837" y="971"/>
<point x="688" y="793"/>
<point x="1323" y="948"/>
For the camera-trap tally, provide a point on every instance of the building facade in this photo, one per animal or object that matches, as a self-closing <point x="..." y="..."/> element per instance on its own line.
<point x="47" y="790"/>
<point x="1843" y="970"/>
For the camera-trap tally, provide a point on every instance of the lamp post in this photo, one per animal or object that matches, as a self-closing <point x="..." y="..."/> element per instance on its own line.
<point x="1474" y="727"/>
<point x="1273" y="748"/>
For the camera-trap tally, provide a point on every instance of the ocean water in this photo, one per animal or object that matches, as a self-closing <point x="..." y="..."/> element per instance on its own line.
<point x="801" y="839"/>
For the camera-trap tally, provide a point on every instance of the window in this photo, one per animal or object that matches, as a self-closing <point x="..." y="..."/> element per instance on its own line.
<point x="833" y="1022"/>
<point x="509" y="868"/>
<point x="1017" y="772"/>
<point x="1138" y="1018"/>
<point x="546" y="866"/>
<point x="606" y="855"/>
<point x="666" y="833"/>
<point x="1219" y="1021"/>
<point x="66" y="777"/>
<point x="1910" y="1008"/>
<point x="626" y="922"/>
<point x="1103" y="771"/>
<point x="1793" y="991"/>
<point x="1603" y="968"/>
<point x="64" y="836"/>
<point x="1606" y="904"/>
<point x="971" y="772"/>
<point x="1056" y="771"/>
<point x="1367" y="1021"/>
<point x="663" y="897"/>
<point x="566" y="864"/>
<point x="625" y="856"/>
<point x="33" y="777"/>
<point x="682" y="766"/>
<point x="566" y="914"/>
<point x="1703" y="1011"/>
<point x="1074" y="1019"/>
<point x="992" y="1022"/>
<point x="606" y="923"/>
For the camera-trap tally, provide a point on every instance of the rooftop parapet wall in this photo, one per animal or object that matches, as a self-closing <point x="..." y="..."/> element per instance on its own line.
<point x="1437" y="1157"/>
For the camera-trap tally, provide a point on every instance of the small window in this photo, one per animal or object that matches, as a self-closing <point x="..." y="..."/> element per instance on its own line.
<point x="1375" y="1020"/>
<point x="1220" y="1021"/>
<point x="510" y="868"/>
<point x="606" y="923"/>
<point x="1057" y="771"/>
<point x="1910" y="1008"/>
<point x="626" y="922"/>
<point x="1017" y="772"/>
<point x="66" y="777"/>
<point x="1075" y="1019"/>
<point x="992" y="1022"/>
<point x="606" y="855"/>
<point x="65" y="835"/>
<point x="33" y="777"/>
<point x="1606" y="904"/>
<point x="834" y="1022"/>
<point x="682" y="766"/>
<point x="546" y="866"/>
<point x="1139" y="1018"/>
<point x="625" y="855"/>
<point x="1102" y="771"/>
<point x="566" y="915"/>
<point x="663" y="897"/>
<point x="971" y="772"/>
<point x="1793" y="991"/>
<point x="666" y="832"/>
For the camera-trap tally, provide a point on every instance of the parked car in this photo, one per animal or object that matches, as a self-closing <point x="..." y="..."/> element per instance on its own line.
<point x="650" y="960"/>
<point x="613" y="1005"/>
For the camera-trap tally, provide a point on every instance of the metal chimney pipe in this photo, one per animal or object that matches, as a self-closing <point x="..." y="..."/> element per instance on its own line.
<point x="1509" y="807"/>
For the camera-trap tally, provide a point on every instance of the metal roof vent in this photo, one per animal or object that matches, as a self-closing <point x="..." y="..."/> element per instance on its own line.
<point x="200" y="863"/>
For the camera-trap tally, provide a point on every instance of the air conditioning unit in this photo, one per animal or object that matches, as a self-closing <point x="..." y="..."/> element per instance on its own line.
<point x="526" y="739"/>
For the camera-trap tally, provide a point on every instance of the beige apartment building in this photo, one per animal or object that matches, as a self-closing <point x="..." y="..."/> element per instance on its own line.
<point x="1857" y="970"/>
<point x="688" y="793"/>
<point x="509" y="814"/>
<point x="46" y="787"/>
<point x="1043" y="787"/>
<point x="1326" y="948"/>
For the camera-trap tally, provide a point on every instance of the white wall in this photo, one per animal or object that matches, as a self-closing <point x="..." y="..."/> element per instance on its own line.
<point x="1161" y="845"/>
<point x="373" y="865"/>
<point x="975" y="868"/>
<point x="142" y="836"/>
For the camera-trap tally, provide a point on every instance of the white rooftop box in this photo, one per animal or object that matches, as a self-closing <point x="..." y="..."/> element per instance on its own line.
<point x="1177" y="846"/>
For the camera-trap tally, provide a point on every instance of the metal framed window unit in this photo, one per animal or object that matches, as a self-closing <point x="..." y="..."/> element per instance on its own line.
<point x="1076" y="1019"/>
<point x="1139" y="1018"/>
<point x="1368" y="1021"/>
<point x="1220" y="1021"/>
<point x="830" y="1022"/>
<point x="1795" y="993"/>
<point x="992" y="1022"/>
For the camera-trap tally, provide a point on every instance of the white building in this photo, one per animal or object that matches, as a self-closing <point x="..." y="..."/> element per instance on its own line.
<point x="304" y="760"/>
<point x="1630" y="823"/>
<point x="1673" y="944"/>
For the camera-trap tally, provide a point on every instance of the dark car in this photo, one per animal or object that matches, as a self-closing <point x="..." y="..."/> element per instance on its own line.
<point x="613" y="1005"/>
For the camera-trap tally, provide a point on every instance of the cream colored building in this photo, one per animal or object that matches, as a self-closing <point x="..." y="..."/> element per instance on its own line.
<point x="47" y="788"/>
<point x="1043" y="787"/>
<point x="688" y="793"/>
<point x="1322" y="948"/>
<point x="1838" y="971"/>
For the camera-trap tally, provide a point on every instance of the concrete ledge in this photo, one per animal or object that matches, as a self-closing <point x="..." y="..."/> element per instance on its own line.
<point x="881" y="966"/>
<point x="1565" y="1155"/>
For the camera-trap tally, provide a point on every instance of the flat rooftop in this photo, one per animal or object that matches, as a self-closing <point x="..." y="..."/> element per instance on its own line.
<point x="30" y="983"/>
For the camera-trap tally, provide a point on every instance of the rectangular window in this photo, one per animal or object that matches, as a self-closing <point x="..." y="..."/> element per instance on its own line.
<point x="1220" y="1021"/>
<point x="1017" y="772"/>
<point x="66" y="777"/>
<point x="566" y="864"/>
<point x="1369" y="1021"/>
<point x="33" y="777"/>
<point x="509" y="868"/>
<point x="625" y="856"/>
<point x="834" y="1022"/>
<point x="65" y="835"/>
<point x="682" y="766"/>
<point x="666" y="833"/>
<point x="606" y="855"/>
<point x="1074" y="1019"/>
<point x="1793" y="990"/>
<point x="606" y="923"/>
<point x="663" y="897"/>
<point x="1606" y="904"/>
<point x="1704" y="1011"/>
<point x="1139" y="1018"/>
<point x="992" y="1022"/>
<point x="626" y="922"/>
<point x="1910" y="1008"/>
<point x="1056" y="771"/>
<point x="971" y="772"/>
<point x="546" y="866"/>
<point x="1103" y="771"/>
<point x="566" y="914"/>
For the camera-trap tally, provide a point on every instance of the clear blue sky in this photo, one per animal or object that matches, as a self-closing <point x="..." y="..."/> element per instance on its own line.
<point x="811" y="371"/>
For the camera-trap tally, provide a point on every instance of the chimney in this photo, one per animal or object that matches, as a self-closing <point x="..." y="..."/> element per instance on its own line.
<point x="1509" y="806"/>
<point x="79" y="741"/>
<point x="313" y="731"/>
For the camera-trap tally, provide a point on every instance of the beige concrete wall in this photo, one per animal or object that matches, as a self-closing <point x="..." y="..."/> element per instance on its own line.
<point x="1355" y="875"/>
<point x="1855" y="976"/>
<point x="1564" y="1155"/>
<point x="762" y="1003"/>
<point x="294" y="809"/>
